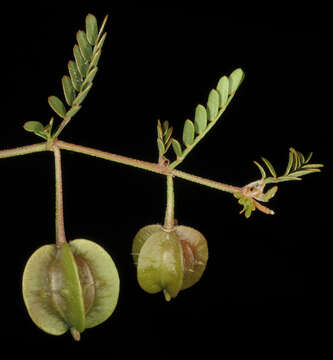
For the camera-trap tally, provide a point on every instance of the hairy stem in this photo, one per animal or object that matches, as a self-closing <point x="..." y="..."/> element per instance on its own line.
<point x="146" y="165"/>
<point x="23" y="150"/>
<point x="170" y="207"/>
<point x="203" y="181"/>
<point x="157" y="168"/>
<point x="113" y="157"/>
<point x="60" y="227"/>
<point x="61" y="127"/>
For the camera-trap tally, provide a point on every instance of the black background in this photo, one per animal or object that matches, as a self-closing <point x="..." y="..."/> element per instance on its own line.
<point x="263" y="285"/>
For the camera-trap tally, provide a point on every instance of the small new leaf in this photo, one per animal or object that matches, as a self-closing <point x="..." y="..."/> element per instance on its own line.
<point x="270" y="167"/>
<point x="297" y="166"/>
<point x="33" y="126"/>
<point x="160" y="145"/>
<point x="37" y="128"/>
<point x="177" y="148"/>
<point x="167" y="135"/>
<point x="262" y="171"/>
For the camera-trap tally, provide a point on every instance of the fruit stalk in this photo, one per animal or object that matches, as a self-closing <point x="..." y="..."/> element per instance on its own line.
<point x="170" y="207"/>
<point x="60" y="227"/>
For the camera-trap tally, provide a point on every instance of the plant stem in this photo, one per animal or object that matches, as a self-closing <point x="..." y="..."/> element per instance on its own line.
<point x="157" y="168"/>
<point x="23" y="150"/>
<point x="170" y="207"/>
<point x="203" y="181"/>
<point x="60" y="227"/>
<point x="61" y="127"/>
<point x="113" y="157"/>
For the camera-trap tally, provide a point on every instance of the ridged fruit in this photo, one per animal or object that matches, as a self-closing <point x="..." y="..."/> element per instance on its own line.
<point x="73" y="287"/>
<point x="169" y="260"/>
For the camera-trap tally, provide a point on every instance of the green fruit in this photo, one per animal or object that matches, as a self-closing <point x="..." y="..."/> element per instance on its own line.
<point x="169" y="260"/>
<point x="73" y="287"/>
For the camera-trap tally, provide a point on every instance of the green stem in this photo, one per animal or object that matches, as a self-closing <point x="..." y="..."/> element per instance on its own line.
<point x="60" y="227"/>
<point x="156" y="168"/>
<point x="23" y="150"/>
<point x="203" y="181"/>
<point x="169" y="220"/>
<point x="61" y="127"/>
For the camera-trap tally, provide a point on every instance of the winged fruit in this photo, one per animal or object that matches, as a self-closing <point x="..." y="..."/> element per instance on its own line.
<point x="73" y="287"/>
<point x="169" y="260"/>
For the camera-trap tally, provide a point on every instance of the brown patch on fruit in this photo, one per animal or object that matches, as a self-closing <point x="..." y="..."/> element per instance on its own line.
<point x="189" y="255"/>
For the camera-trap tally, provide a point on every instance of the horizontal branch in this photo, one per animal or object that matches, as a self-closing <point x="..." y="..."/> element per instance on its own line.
<point x="23" y="150"/>
<point x="158" y="168"/>
<point x="203" y="181"/>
